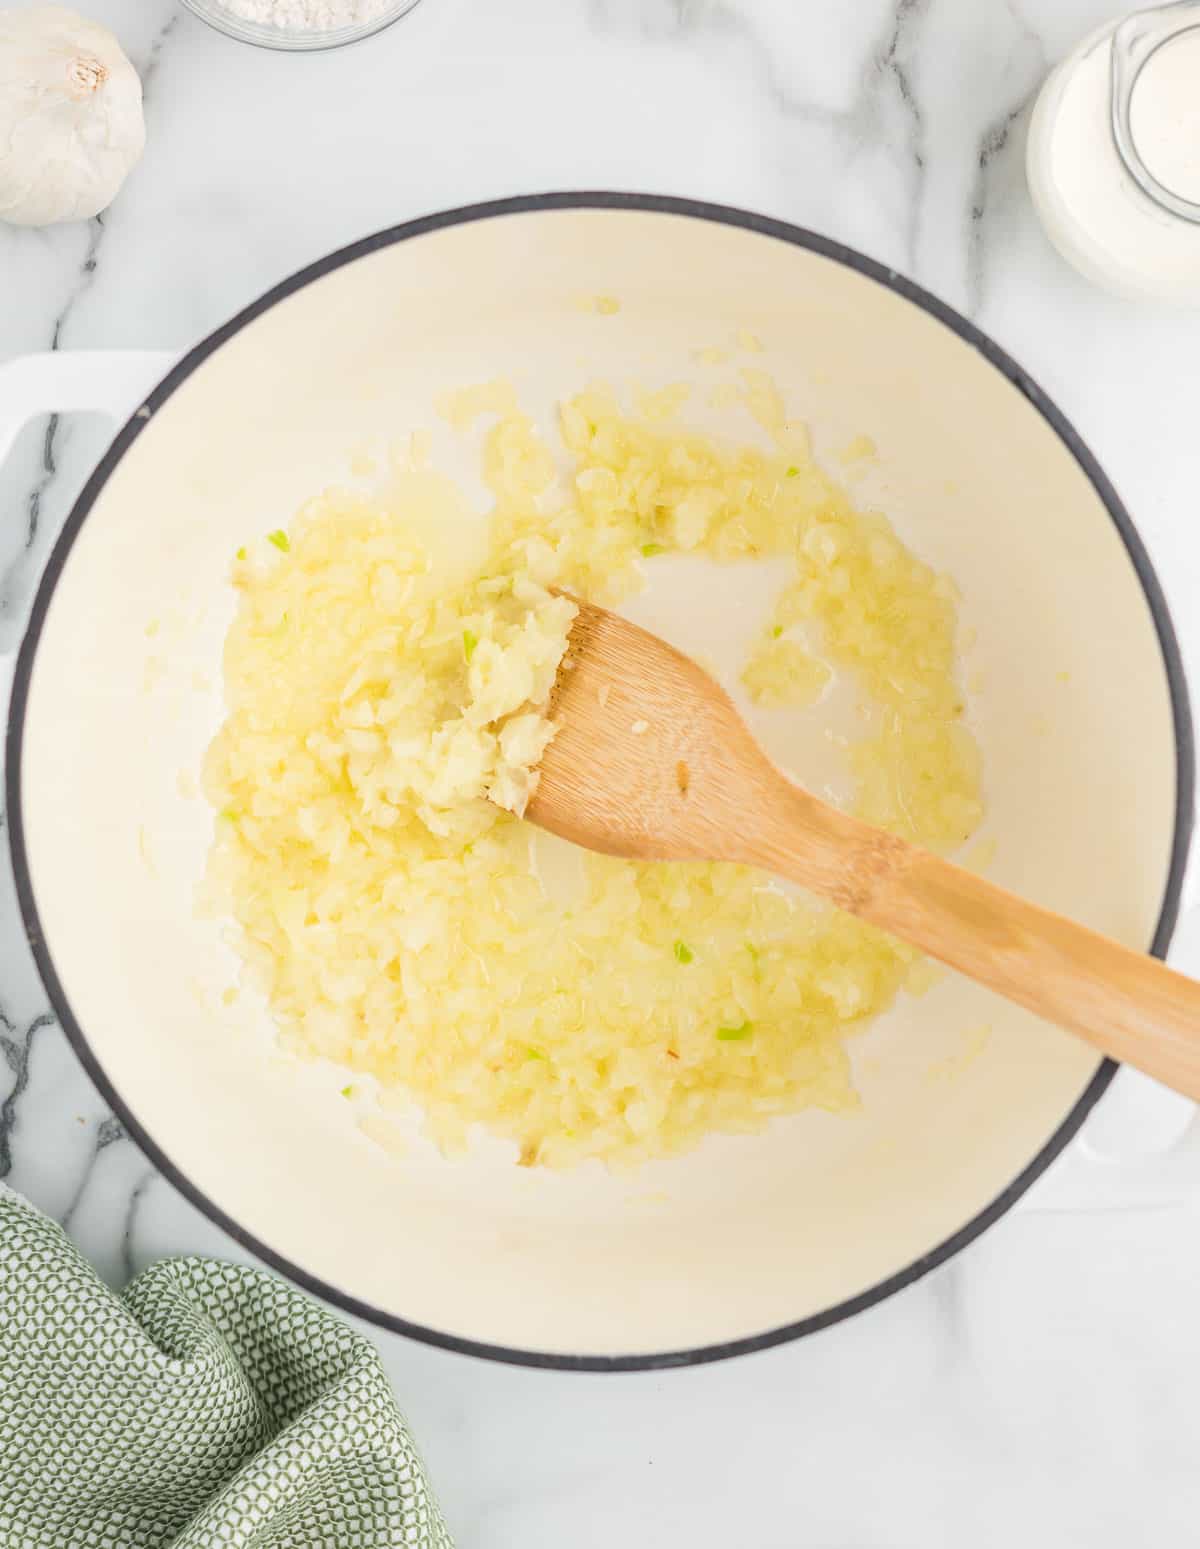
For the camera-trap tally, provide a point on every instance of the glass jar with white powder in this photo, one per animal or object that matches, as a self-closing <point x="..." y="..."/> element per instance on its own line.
<point x="1114" y="155"/>
<point x="300" y="24"/>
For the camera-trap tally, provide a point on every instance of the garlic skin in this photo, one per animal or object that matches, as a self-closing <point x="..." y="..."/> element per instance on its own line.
<point x="71" y="124"/>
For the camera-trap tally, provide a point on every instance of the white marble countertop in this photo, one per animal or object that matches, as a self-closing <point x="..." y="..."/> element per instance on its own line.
<point x="1038" y="1389"/>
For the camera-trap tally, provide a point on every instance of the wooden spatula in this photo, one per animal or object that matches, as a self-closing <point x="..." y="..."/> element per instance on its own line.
<point x="652" y="762"/>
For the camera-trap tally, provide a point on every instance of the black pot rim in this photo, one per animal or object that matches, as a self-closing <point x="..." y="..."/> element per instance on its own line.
<point x="721" y="215"/>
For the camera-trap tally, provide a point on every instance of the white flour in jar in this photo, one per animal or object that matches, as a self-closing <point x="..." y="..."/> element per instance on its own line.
<point x="307" y="15"/>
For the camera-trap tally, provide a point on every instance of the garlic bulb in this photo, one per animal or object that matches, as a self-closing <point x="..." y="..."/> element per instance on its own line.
<point x="71" y="124"/>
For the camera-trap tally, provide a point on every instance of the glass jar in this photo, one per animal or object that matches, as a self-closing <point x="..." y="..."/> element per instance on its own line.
<point x="295" y="39"/>
<point x="1113" y="156"/>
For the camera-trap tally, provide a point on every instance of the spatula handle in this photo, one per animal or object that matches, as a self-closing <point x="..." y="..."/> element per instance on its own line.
<point x="1129" y="1005"/>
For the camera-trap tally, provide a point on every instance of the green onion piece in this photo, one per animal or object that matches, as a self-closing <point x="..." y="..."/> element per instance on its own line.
<point x="280" y="539"/>
<point x="241" y="553"/>
<point x="683" y="953"/>
<point x="346" y="1090"/>
<point x="776" y="632"/>
<point x="651" y="549"/>
<point x="470" y="641"/>
<point x="735" y="1034"/>
<point x="230" y="814"/>
<point x="535" y="1054"/>
<point x="792" y="472"/>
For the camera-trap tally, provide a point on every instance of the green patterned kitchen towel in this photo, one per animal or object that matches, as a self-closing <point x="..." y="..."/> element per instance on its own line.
<point x="211" y="1406"/>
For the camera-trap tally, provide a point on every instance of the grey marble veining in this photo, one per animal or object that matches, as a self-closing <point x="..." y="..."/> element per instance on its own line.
<point x="1037" y="1390"/>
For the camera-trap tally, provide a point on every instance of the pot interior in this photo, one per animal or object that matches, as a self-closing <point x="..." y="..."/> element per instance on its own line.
<point x="746" y="1234"/>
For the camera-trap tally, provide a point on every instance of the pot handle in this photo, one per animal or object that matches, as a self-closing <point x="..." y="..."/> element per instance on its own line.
<point x="1088" y="1178"/>
<point x="109" y="382"/>
<point x="1118" y="1160"/>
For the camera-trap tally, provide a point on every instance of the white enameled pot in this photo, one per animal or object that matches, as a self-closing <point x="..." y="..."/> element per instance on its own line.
<point x="1082" y="717"/>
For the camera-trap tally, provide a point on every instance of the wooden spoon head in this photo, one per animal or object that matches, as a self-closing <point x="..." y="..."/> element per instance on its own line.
<point x="650" y="756"/>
